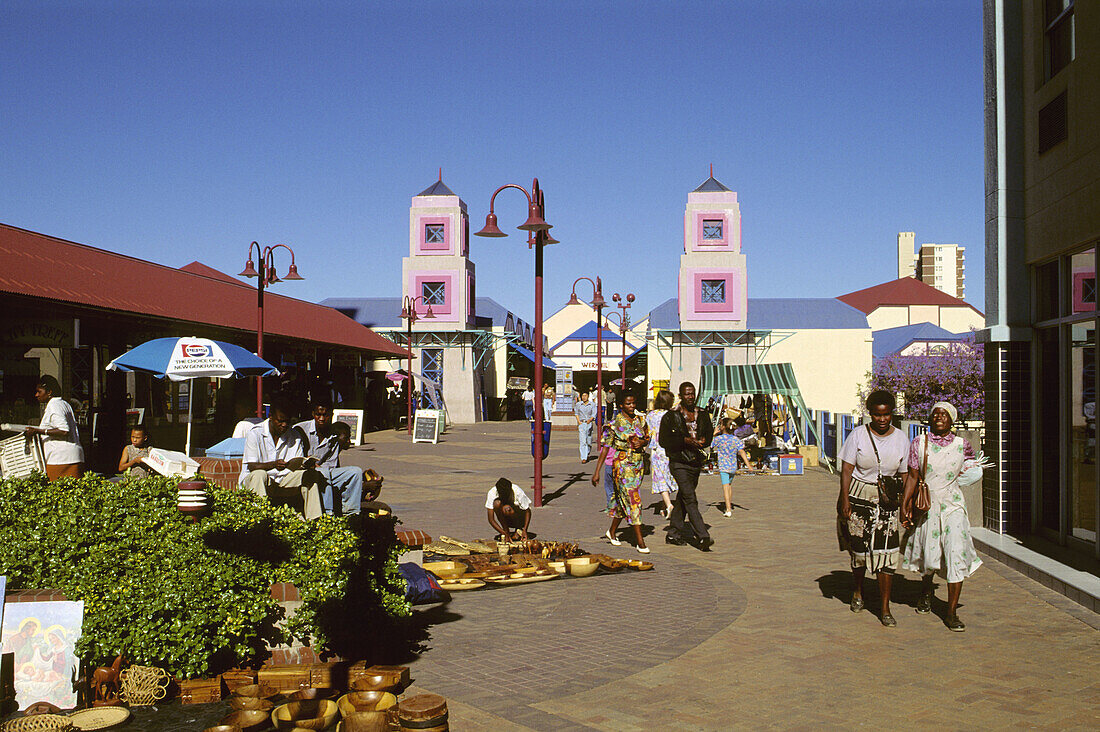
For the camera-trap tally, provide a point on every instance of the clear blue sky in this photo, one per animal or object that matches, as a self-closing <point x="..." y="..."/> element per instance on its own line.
<point x="177" y="131"/>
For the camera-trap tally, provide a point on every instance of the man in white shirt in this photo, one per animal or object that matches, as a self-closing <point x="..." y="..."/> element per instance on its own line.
<point x="509" y="510"/>
<point x="61" y="439"/>
<point x="268" y="447"/>
<point x="529" y="403"/>
<point x="324" y="444"/>
<point x="585" y="412"/>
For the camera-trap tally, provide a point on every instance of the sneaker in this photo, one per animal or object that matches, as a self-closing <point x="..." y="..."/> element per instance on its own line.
<point x="953" y="623"/>
<point x="924" y="604"/>
<point x="673" y="539"/>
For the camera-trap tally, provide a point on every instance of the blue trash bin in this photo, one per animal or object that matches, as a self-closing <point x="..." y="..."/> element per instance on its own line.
<point x="545" y="439"/>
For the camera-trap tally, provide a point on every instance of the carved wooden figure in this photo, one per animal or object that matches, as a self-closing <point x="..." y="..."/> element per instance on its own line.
<point x="106" y="684"/>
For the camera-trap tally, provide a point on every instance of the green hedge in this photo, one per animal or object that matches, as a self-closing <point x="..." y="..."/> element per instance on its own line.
<point x="194" y="598"/>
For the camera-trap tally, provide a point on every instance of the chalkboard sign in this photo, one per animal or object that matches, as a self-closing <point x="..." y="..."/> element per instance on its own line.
<point x="426" y="425"/>
<point x="354" y="419"/>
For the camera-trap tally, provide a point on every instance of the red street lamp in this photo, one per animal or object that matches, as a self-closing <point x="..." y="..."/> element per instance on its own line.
<point x="537" y="237"/>
<point x="265" y="276"/>
<point x="598" y="303"/>
<point x="624" y="325"/>
<point x="409" y="315"/>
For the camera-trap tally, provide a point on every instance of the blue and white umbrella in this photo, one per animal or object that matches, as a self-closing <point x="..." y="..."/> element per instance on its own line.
<point x="181" y="359"/>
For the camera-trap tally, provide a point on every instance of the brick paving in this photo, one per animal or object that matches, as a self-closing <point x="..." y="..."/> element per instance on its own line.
<point x="755" y="634"/>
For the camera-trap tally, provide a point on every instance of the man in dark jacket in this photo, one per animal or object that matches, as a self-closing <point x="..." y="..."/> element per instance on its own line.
<point x="685" y="433"/>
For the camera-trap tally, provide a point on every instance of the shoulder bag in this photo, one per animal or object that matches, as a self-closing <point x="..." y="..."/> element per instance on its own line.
<point x="922" y="501"/>
<point x="889" y="486"/>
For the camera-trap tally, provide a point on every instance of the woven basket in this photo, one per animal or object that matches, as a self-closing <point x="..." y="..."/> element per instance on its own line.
<point x="38" y="723"/>
<point x="99" y="717"/>
<point x="143" y="685"/>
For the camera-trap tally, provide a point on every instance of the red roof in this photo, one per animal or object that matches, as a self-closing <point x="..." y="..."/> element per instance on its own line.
<point x="904" y="291"/>
<point x="44" y="266"/>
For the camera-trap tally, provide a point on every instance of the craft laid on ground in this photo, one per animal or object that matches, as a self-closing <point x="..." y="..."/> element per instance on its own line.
<point x="457" y="585"/>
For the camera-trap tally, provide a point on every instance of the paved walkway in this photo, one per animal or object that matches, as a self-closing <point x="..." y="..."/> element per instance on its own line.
<point x="755" y="634"/>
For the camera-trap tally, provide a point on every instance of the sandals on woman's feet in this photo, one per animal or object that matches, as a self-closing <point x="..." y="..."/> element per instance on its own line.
<point x="888" y="620"/>
<point x="857" y="603"/>
<point x="612" y="539"/>
<point x="643" y="550"/>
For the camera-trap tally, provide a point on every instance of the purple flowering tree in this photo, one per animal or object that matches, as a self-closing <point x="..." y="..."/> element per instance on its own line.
<point x="955" y="375"/>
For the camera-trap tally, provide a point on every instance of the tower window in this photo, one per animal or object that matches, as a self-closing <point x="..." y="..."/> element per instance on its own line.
<point x="434" y="293"/>
<point x="714" y="291"/>
<point x="712" y="229"/>
<point x="433" y="234"/>
<point x="714" y="356"/>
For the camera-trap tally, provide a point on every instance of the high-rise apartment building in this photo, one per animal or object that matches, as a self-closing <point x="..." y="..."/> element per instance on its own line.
<point x="942" y="266"/>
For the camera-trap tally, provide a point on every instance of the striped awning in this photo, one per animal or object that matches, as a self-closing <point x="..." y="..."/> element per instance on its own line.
<point x="764" y="378"/>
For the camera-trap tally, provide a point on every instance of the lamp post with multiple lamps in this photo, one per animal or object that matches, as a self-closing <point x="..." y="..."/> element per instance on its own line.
<point x="410" y="316"/>
<point x="538" y="236"/>
<point x="624" y="325"/>
<point x="266" y="276"/>
<point x="598" y="304"/>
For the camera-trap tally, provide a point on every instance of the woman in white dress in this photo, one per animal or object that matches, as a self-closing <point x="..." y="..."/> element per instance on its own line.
<point x="661" y="482"/>
<point x="61" y="443"/>
<point x="867" y="527"/>
<point x="940" y="542"/>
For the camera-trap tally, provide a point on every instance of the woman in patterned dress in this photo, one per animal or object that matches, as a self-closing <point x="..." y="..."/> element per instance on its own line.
<point x="628" y="439"/>
<point x="661" y="483"/>
<point x="940" y="543"/>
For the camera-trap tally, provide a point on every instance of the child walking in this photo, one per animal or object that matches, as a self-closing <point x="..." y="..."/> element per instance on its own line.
<point x="728" y="448"/>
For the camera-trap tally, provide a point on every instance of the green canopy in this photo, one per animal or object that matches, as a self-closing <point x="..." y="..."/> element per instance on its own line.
<point x="762" y="378"/>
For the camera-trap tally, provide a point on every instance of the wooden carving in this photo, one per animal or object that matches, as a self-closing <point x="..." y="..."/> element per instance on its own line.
<point x="106" y="684"/>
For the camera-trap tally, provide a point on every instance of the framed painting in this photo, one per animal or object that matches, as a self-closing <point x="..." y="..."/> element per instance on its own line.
<point x="42" y="637"/>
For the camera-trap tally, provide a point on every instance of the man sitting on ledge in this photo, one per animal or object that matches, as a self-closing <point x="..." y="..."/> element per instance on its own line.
<point x="272" y="463"/>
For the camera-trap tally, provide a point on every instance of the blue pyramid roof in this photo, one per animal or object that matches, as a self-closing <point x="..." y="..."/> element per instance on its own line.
<point x="710" y="185"/>
<point x="439" y="188"/>
<point x="889" y="341"/>
<point x="587" y="332"/>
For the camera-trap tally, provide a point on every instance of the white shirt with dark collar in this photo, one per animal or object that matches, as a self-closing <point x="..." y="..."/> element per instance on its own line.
<point x="261" y="447"/>
<point x="325" y="449"/>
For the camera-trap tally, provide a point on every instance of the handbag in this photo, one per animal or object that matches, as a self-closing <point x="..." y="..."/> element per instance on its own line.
<point x="922" y="501"/>
<point x="889" y="486"/>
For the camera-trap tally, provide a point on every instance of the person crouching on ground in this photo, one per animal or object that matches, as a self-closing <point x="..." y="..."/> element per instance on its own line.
<point x="268" y="448"/>
<point x="509" y="510"/>
<point x="325" y="444"/>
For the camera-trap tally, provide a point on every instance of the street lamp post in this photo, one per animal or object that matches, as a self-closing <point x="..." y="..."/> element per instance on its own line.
<point x="408" y="313"/>
<point x="598" y="303"/>
<point x="624" y="324"/>
<point x="538" y="236"/>
<point x="264" y="277"/>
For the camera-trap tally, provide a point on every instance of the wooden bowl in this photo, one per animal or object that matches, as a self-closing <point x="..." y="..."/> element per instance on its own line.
<point x="365" y="722"/>
<point x="373" y="682"/>
<point x="365" y="701"/>
<point x="446" y="570"/>
<point x="582" y="566"/>
<point x="251" y="702"/>
<point x="316" y="714"/>
<point x="223" y="728"/>
<point x="257" y="691"/>
<point x="249" y="720"/>
<point x="308" y="694"/>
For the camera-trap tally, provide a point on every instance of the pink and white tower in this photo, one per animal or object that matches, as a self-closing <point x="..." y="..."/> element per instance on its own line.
<point x="713" y="286"/>
<point x="438" y="268"/>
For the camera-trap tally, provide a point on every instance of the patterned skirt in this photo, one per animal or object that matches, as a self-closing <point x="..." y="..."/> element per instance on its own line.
<point x="660" y="476"/>
<point x="871" y="535"/>
<point x="625" y="503"/>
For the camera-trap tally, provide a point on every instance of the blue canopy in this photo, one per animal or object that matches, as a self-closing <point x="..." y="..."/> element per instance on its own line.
<point x="530" y="356"/>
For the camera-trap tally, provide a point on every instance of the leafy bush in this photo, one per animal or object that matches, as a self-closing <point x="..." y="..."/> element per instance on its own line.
<point x="956" y="376"/>
<point x="193" y="598"/>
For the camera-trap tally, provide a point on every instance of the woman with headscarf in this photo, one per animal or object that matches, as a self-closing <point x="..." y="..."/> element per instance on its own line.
<point x="868" y="527"/>
<point x="940" y="542"/>
<point x="61" y="439"/>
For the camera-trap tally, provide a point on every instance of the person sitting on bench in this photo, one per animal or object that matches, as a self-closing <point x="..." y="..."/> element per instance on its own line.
<point x="509" y="510"/>
<point x="273" y="467"/>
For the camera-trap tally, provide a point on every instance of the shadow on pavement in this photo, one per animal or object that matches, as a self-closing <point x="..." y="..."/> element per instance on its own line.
<point x="573" y="478"/>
